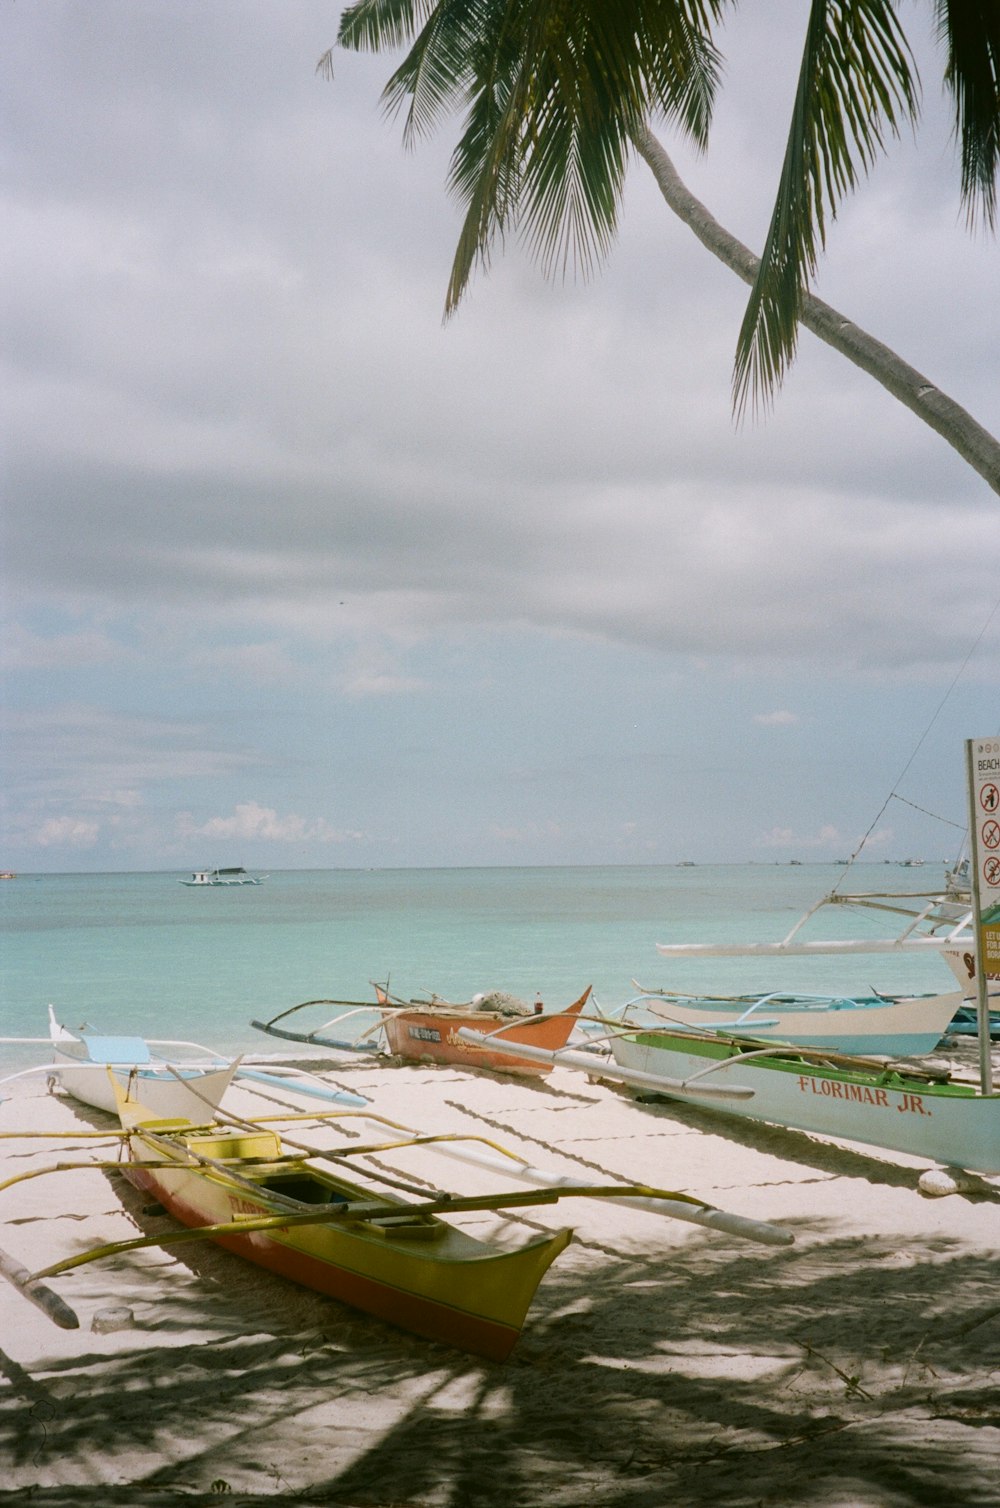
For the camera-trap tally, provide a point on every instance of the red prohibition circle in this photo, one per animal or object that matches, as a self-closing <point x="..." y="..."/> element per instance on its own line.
<point x="991" y="834"/>
<point x="989" y="797"/>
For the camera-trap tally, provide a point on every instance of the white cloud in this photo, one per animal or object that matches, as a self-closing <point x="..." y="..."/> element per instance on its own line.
<point x="782" y="719"/>
<point x="364" y="684"/>
<point x="262" y="664"/>
<point x="251" y="821"/>
<point x="65" y="832"/>
<point x="829" y="839"/>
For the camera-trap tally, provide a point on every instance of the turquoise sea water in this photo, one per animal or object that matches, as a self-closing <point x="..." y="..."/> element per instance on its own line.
<point x="143" y="954"/>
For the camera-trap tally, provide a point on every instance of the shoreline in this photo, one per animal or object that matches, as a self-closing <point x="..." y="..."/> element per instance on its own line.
<point x="658" y="1361"/>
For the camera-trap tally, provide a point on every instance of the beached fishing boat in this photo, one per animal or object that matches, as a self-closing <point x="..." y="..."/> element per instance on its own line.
<point x="928" y="1112"/>
<point x="937" y="920"/>
<point x="232" y="876"/>
<point x="81" y="1061"/>
<point x="896" y="1027"/>
<point x="399" y="1262"/>
<point x="288" y="1208"/>
<point x="175" y="1078"/>
<point x="429" y="1032"/>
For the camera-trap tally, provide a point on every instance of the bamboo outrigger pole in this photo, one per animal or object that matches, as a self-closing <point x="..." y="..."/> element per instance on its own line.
<point x="375" y="1209"/>
<point x="50" y="1303"/>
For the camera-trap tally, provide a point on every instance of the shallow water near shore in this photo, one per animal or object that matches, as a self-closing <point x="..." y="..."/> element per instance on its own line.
<point x="145" y="954"/>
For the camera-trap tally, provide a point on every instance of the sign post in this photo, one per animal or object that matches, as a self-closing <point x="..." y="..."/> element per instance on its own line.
<point x="982" y="757"/>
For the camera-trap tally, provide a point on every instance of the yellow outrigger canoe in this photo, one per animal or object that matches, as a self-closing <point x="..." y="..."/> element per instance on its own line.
<point x="395" y="1260"/>
<point x="286" y="1207"/>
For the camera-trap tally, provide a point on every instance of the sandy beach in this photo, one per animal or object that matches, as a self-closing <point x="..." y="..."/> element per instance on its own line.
<point x="660" y="1362"/>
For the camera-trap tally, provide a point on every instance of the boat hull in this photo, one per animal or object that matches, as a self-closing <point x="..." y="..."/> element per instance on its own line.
<point x="438" y="1283"/>
<point x="89" y="1066"/>
<point x="944" y="1123"/>
<point x="195" y="1097"/>
<point x="430" y="1035"/>
<point x="897" y="1028"/>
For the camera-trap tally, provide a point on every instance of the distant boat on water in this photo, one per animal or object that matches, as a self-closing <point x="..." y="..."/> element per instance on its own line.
<point x="234" y="876"/>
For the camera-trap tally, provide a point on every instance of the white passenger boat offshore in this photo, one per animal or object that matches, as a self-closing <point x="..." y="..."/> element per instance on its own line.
<point x="233" y="876"/>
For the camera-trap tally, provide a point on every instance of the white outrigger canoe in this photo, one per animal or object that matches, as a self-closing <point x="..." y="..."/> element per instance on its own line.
<point x="81" y="1060"/>
<point x="901" y="1026"/>
<point x="176" y="1079"/>
<point x="900" y="1107"/>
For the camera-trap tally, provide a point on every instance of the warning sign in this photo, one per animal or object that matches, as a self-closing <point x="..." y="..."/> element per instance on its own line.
<point x="984" y="775"/>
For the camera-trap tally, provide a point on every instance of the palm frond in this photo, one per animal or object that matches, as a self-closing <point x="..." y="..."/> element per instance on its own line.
<point x="857" y="79"/>
<point x="970" y="30"/>
<point x="436" y="74"/>
<point x="551" y="91"/>
<point x="382" y="25"/>
<point x="558" y="87"/>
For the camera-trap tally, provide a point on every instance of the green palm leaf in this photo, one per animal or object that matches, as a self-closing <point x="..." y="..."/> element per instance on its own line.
<point x="551" y="91"/>
<point x="855" y="81"/>
<point x="970" y="31"/>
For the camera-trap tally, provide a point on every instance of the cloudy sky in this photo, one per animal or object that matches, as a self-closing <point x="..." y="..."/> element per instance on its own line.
<point x="296" y="574"/>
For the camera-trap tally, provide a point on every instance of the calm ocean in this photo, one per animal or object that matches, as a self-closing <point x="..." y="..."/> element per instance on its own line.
<point x="145" y="955"/>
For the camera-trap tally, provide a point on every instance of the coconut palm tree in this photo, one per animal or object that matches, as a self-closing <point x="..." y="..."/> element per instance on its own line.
<point x="557" y="96"/>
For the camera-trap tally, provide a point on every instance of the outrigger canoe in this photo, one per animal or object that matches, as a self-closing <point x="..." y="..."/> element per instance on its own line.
<point x="287" y="1207"/>
<point x="175" y="1078"/>
<point x="901" y="1026"/>
<point x="430" y="1033"/>
<point x="902" y="1107"/>
<point x="399" y="1262"/>
<point x="81" y="1061"/>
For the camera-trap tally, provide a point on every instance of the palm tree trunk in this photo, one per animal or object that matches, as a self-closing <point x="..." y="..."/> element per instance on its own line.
<point x="973" y="443"/>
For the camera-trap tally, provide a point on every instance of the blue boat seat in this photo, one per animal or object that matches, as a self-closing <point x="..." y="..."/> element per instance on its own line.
<point x="116" y="1049"/>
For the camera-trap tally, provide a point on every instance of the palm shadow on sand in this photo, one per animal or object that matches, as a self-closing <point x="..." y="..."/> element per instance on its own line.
<point x="835" y="1371"/>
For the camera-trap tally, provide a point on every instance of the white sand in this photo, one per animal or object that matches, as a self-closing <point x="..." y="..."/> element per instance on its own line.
<point x="660" y="1363"/>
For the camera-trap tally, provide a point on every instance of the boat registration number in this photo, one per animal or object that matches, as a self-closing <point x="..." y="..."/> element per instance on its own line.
<point x="424" y="1033"/>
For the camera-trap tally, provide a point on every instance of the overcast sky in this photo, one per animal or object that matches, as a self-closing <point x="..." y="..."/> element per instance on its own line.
<point x="296" y="574"/>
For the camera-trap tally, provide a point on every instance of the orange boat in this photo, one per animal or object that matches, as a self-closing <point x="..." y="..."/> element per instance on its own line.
<point x="428" y="1033"/>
